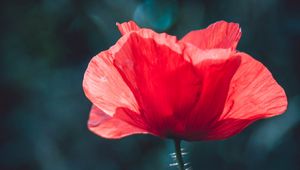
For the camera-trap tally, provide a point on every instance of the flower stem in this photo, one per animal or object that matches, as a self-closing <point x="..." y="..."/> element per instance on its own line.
<point x="178" y="154"/>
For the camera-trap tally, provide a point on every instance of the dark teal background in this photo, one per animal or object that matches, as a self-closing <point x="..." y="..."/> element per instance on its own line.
<point x="46" y="45"/>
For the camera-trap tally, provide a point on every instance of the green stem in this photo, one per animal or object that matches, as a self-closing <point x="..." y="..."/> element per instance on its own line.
<point x="178" y="154"/>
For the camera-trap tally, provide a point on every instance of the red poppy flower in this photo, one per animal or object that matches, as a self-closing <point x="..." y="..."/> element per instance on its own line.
<point x="196" y="88"/>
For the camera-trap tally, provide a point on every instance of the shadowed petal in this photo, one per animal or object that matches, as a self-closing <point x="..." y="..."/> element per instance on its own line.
<point x="165" y="85"/>
<point x="216" y="74"/>
<point x="221" y="129"/>
<point x="218" y="35"/>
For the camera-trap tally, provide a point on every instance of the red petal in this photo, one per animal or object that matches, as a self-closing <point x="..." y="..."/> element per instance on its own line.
<point x="104" y="86"/>
<point x="127" y="27"/>
<point x="253" y="95"/>
<point x="218" y="35"/>
<point x="216" y="69"/>
<point x="221" y="129"/>
<point x="165" y="85"/>
<point x="112" y="127"/>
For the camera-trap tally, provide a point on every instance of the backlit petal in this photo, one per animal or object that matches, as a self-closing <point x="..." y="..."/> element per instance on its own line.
<point x="218" y="35"/>
<point x="112" y="127"/>
<point x="127" y="27"/>
<point x="104" y="86"/>
<point x="253" y="95"/>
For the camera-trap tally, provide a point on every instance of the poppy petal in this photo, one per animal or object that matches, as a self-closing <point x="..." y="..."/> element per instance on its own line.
<point x="165" y="84"/>
<point x="111" y="127"/>
<point x="220" y="130"/>
<point x="127" y="27"/>
<point x="216" y="69"/>
<point x="218" y="35"/>
<point x="104" y="86"/>
<point x="253" y="95"/>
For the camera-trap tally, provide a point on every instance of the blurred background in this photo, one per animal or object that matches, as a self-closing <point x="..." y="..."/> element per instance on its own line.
<point x="45" y="47"/>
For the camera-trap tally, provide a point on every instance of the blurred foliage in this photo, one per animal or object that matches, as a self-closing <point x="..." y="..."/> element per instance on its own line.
<point x="46" y="45"/>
